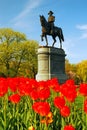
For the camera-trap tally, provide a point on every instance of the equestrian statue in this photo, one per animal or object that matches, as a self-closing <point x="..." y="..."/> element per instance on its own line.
<point x="48" y="28"/>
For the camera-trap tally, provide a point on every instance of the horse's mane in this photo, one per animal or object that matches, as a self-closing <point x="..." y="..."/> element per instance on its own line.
<point x="44" y="18"/>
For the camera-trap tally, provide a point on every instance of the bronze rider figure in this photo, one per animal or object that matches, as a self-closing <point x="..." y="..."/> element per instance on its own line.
<point x="51" y="20"/>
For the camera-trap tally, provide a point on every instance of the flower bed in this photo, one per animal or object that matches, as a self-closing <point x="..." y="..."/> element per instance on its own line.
<point x="26" y="104"/>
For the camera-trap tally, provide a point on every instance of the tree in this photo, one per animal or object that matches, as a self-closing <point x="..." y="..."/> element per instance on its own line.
<point x="82" y="70"/>
<point x="78" y="72"/>
<point x="29" y="59"/>
<point x="67" y="66"/>
<point x="17" y="54"/>
<point x="71" y="71"/>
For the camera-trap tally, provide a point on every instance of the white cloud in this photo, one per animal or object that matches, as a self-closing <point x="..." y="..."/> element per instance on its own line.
<point x="32" y="4"/>
<point x="84" y="36"/>
<point x="20" y="24"/>
<point x="20" y="20"/>
<point x="82" y="27"/>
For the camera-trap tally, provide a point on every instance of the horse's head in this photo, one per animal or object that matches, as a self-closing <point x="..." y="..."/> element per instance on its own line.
<point x="42" y="20"/>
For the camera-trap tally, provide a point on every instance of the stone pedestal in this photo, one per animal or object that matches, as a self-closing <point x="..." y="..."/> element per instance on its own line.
<point x="51" y="63"/>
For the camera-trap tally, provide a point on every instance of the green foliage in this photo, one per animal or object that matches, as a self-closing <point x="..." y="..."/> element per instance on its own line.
<point x="78" y="72"/>
<point x="8" y="36"/>
<point x="17" y="54"/>
<point x="82" y="70"/>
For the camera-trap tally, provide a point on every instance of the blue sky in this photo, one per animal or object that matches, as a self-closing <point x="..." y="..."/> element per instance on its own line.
<point x="70" y="15"/>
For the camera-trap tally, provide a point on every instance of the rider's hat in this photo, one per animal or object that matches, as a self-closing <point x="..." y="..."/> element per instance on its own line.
<point x="50" y="12"/>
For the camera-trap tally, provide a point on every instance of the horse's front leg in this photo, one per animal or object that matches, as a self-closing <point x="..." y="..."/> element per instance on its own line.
<point x="42" y="37"/>
<point x="46" y="40"/>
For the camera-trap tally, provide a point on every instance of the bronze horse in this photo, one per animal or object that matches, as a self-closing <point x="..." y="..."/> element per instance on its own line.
<point x="46" y="31"/>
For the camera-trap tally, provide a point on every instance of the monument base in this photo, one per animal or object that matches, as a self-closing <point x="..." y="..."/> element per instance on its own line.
<point x="61" y="77"/>
<point x="51" y="64"/>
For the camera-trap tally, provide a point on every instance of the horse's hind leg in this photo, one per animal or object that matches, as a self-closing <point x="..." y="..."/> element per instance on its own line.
<point x="60" y="43"/>
<point x="54" y="41"/>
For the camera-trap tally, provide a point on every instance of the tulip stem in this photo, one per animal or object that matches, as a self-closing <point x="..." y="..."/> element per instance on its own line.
<point x="86" y="120"/>
<point x="4" y="109"/>
<point x="62" y="123"/>
<point x="83" y="113"/>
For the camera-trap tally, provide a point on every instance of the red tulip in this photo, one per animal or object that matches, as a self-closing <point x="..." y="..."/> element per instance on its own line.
<point x="85" y="106"/>
<point x="43" y="90"/>
<point x="70" y="82"/>
<point x="42" y="108"/>
<point x="54" y="84"/>
<point x="68" y="89"/>
<point x="34" y="94"/>
<point x="13" y="83"/>
<point x="3" y="87"/>
<point x="15" y="98"/>
<point x="69" y="127"/>
<point x="83" y="89"/>
<point x="65" y="111"/>
<point x="26" y="86"/>
<point x="59" y="102"/>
